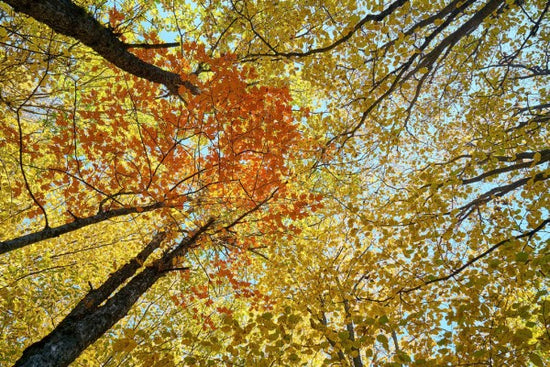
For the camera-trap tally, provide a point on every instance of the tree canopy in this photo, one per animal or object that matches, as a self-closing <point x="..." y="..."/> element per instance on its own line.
<point x="274" y="183"/>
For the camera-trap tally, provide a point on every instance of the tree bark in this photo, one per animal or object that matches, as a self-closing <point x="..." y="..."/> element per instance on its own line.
<point x="71" y="20"/>
<point x="89" y="321"/>
<point x="52" y="232"/>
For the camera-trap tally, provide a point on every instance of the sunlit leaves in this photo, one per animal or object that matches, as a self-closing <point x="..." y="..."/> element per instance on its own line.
<point x="387" y="172"/>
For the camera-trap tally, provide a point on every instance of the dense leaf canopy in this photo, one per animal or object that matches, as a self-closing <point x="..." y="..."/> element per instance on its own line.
<point x="274" y="183"/>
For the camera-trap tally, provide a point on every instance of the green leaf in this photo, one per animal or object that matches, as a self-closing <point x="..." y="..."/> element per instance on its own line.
<point x="382" y="339"/>
<point x="479" y="353"/>
<point x="536" y="360"/>
<point x="267" y="316"/>
<point x="522" y="256"/>
<point x="403" y="357"/>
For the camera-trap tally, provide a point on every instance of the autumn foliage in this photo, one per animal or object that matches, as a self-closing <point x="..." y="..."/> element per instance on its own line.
<point x="259" y="183"/>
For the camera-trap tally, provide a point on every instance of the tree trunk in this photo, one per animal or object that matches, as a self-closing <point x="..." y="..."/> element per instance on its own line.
<point x="88" y="321"/>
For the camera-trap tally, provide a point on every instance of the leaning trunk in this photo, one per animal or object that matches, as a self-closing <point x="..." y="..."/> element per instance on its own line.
<point x="74" y="335"/>
<point x="89" y="321"/>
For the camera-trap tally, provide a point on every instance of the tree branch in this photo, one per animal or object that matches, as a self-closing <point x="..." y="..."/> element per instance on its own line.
<point x="470" y="262"/>
<point x="69" y="19"/>
<point x="368" y="18"/>
<point x="52" y="232"/>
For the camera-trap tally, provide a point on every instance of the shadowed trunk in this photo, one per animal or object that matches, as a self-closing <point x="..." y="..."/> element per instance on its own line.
<point x="88" y="321"/>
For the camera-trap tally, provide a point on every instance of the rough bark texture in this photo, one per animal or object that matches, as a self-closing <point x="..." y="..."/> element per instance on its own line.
<point x="88" y="322"/>
<point x="65" y="343"/>
<point x="71" y="20"/>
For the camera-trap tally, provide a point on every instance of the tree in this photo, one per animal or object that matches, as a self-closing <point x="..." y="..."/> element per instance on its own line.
<point x="351" y="184"/>
<point x="123" y="148"/>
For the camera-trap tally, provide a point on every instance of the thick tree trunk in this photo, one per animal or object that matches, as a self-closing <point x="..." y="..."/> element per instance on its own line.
<point x="88" y="321"/>
<point x="74" y="334"/>
<point x="69" y="19"/>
